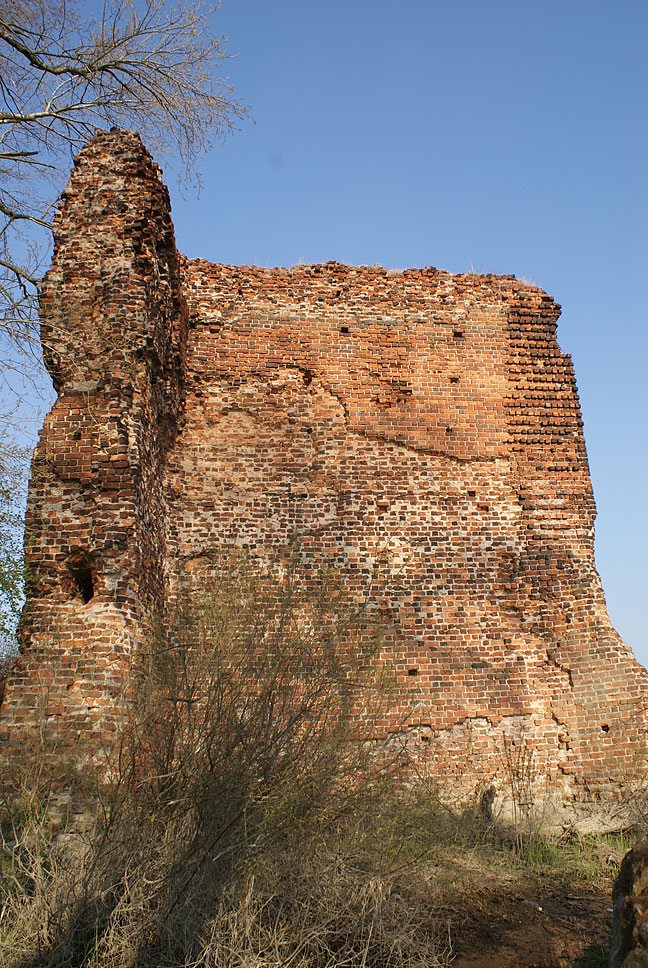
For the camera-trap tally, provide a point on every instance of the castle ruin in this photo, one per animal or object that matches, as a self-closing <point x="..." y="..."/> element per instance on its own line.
<point x="420" y="418"/>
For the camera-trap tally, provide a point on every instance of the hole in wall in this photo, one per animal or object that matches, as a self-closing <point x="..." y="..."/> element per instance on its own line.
<point x="454" y="379"/>
<point x="412" y="672"/>
<point x="458" y="333"/>
<point x="83" y="580"/>
<point x="80" y="570"/>
<point x="344" y="329"/>
<point x="605" y="728"/>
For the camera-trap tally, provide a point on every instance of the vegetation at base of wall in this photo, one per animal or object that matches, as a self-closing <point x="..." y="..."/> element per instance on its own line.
<point x="386" y="880"/>
<point x="247" y="820"/>
<point x="235" y="822"/>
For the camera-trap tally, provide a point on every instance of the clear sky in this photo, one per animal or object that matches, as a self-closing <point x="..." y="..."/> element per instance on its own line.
<point x="489" y="135"/>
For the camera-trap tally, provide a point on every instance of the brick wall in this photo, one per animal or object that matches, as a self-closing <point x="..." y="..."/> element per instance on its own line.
<point x="114" y="338"/>
<point x="419" y="424"/>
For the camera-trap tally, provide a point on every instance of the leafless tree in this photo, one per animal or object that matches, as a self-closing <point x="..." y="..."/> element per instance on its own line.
<point x="65" y="71"/>
<point x="68" y="68"/>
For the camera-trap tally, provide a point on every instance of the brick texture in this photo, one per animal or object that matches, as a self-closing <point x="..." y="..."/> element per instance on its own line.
<point x="418" y="426"/>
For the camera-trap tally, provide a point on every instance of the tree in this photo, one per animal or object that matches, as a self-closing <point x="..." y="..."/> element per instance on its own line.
<point x="13" y="461"/>
<point x="64" y="73"/>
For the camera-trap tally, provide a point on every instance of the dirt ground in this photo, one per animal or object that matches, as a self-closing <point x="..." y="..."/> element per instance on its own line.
<point x="522" y="921"/>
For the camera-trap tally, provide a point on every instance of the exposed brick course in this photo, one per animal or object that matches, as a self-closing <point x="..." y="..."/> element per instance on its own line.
<point x="418" y="424"/>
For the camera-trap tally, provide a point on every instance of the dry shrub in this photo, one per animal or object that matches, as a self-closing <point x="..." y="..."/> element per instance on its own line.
<point x="236" y="828"/>
<point x="330" y="906"/>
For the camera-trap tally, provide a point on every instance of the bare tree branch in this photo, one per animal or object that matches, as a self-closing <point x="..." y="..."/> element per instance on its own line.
<point x="151" y="65"/>
<point x="64" y="73"/>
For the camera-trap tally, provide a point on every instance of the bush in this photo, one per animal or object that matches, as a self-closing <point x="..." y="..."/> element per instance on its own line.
<point x="236" y="825"/>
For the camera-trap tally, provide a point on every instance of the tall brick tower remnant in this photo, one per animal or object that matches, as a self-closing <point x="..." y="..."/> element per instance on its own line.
<point x="422" y="419"/>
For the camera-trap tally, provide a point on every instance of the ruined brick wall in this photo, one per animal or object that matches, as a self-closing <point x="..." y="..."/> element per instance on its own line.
<point x="425" y="421"/>
<point x="114" y="337"/>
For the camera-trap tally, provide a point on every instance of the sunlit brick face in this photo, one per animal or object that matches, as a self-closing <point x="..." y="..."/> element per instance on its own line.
<point x="419" y="431"/>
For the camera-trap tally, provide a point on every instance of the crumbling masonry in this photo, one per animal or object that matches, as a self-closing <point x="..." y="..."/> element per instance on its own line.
<point x="423" y="419"/>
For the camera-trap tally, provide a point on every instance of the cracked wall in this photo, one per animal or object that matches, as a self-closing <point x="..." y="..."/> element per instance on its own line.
<point x="419" y="423"/>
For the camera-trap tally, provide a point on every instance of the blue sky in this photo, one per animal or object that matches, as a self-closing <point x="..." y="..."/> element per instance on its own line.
<point x="485" y="135"/>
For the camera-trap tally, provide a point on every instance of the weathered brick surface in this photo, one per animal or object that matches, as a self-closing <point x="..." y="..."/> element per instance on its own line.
<point x="419" y="430"/>
<point x="114" y="335"/>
